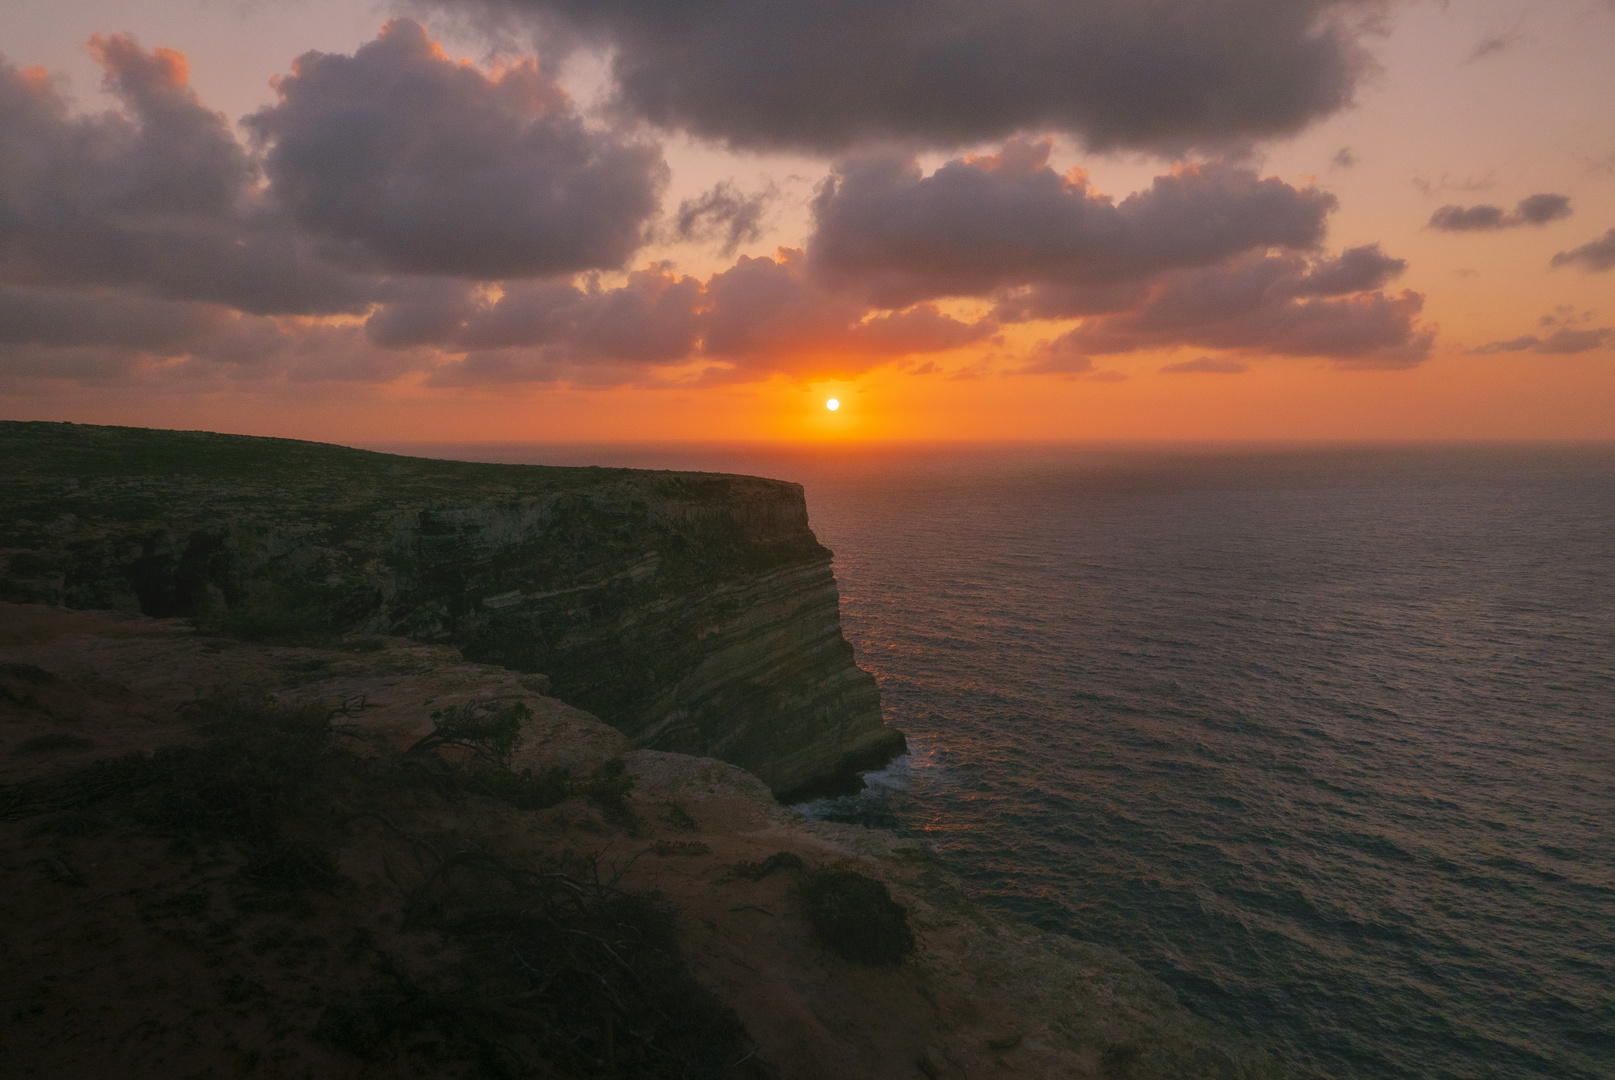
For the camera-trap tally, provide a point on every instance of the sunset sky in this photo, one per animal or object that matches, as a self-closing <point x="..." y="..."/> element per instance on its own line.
<point x="512" y="220"/>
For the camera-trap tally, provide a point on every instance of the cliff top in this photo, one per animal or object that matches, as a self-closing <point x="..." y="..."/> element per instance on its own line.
<point x="88" y="452"/>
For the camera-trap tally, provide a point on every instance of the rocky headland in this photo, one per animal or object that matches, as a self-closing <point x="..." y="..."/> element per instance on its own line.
<point x="693" y="612"/>
<point x="321" y="815"/>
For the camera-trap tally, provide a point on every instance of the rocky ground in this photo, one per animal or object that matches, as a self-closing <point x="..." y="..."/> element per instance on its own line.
<point x="182" y="894"/>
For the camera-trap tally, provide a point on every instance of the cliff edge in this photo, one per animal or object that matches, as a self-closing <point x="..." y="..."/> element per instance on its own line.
<point x="694" y="612"/>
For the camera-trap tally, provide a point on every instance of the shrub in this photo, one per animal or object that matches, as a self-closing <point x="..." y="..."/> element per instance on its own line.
<point x="855" y="917"/>
<point x="608" y="788"/>
<point x="491" y="734"/>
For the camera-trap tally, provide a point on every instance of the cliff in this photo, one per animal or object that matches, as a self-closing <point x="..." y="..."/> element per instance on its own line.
<point x="693" y="612"/>
<point x="170" y="906"/>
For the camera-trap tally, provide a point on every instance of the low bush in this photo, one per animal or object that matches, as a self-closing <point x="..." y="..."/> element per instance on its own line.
<point x="608" y="788"/>
<point x="855" y="917"/>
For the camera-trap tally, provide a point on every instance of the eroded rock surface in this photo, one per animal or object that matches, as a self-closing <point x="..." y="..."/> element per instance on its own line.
<point x="693" y="612"/>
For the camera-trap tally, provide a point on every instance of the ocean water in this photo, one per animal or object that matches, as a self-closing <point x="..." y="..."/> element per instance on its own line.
<point x="1323" y="738"/>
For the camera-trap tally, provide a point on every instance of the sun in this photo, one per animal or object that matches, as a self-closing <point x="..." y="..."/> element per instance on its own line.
<point x="832" y="404"/>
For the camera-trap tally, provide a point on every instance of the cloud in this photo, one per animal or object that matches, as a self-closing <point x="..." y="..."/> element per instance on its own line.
<point x="1357" y="269"/>
<point x="1471" y="183"/>
<point x="759" y="317"/>
<point x="768" y="313"/>
<point x="1344" y="158"/>
<point x="1067" y="301"/>
<point x="144" y="242"/>
<point x="1531" y="210"/>
<point x="1562" y="342"/>
<point x="1058" y="357"/>
<point x="884" y="229"/>
<point x="156" y="196"/>
<point x="467" y="225"/>
<point x="1279" y="305"/>
<point x="64" y="317"/>
<point x="828" y="75"/>
<point x="1492" y="44"/>
<point x="652" y="319"/>
<point x="1571" y="335"/>
<point x="723" y="213"/>
<point x="218" y="349"/>
<point x="1594" y="256"/>
<point x="438" y="168"/>
<point x="1208" y="364"/>
<point x="1541" y="209"/>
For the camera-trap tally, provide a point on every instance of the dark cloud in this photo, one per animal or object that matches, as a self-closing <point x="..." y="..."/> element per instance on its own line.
<point x="179" y="157"/>
<point x="1344" y="158"/>
<point x="1358" y="269"/>
<point x="1491" y="45"/>
<point x="158" y="197"/>
<point x="144" y="242"/>
<point x="829" y="74"/>
<point x="1541" y="209"/>
<point x="723" y="213"/>
<point x="978" y="225"/>
<point x="1595" y="255"/>
<point x="1562" y="342"/>
<point x="435" y="167"/>
<point x="1531" y="210"/>
<point x="1206" y="364"/>
<point x="64" y="317"/>
<point x="1280" y="305"/>
<point x="1355" y="270"/>
<point x="652" y="319"/>
<point x="1065" y="301"/>
<point x="428" y="311"/>
<point x="118" y="340"/>
<point x="1467" y="218"/>
<point x="759" y="317"/>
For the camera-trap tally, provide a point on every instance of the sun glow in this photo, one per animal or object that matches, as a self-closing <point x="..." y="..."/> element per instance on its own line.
<point x="832" y="404"/>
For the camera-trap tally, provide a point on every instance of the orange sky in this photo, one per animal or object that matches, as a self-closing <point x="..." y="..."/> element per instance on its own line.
<point x="1473" y="103"/>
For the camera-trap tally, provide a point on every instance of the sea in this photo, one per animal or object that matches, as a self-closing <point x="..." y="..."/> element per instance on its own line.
<point x="1321" y="736"/>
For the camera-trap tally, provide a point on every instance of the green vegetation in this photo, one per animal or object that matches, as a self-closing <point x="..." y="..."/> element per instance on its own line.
<point x="855" y="917"/>
<point x="608" y="789"/>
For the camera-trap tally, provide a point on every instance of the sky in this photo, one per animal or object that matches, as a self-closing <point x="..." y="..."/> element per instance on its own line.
<point x="594" y="220"/>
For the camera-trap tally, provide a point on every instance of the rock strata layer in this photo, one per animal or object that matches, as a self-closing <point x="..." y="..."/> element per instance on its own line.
<point x="694" y="612"/>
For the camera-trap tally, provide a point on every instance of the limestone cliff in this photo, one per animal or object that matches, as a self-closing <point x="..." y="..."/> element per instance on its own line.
<point x="694" y="612"/>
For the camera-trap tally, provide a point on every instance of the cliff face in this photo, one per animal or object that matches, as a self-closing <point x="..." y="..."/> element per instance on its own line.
<point x="694" y="612"/>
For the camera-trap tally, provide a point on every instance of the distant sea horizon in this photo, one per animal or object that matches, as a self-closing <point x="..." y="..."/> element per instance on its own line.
<point x="1322" y="735"/>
